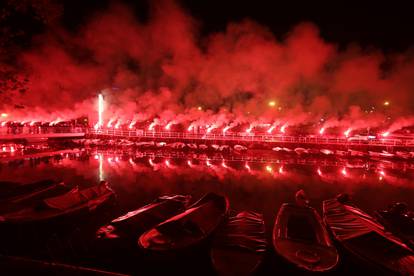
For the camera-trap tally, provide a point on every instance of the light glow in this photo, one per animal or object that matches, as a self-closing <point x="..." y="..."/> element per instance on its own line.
<point x="100" y="110"/>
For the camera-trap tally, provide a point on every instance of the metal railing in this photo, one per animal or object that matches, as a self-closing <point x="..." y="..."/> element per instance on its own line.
<point x="259" y="138"/>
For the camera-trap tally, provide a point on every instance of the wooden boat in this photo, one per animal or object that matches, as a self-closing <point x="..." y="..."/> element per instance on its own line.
<point x="398" y="220"/>
<point x="300" y="237"/>
<point x="33" y="197"/>
<point x="76" y="200"/>
<point x="126" y="227"/>
<point x="239" y="247"/>
<point x="13" y="190"/>
<point x="189" y="228"/>
<point x="365" y="238"/>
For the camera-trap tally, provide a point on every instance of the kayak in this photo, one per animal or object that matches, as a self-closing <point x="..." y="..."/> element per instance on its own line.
<point x="75" y="200"/>
<point x="189" y="228"/>
<point x="361" y="235"/>
<point x="300" y="237"/>
<point x="239" y="247"/>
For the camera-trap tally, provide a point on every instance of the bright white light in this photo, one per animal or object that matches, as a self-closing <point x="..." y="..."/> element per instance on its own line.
<point x="100" y="109"/>
<point x="101" y="171"/>
<point x="322" y="130"/>
<point x="225" y="129"/>
<point x="270" y="130"/>
<point x="347" y="132"/>
<point x="385" y="134"/>
<point x="4" y="115"/>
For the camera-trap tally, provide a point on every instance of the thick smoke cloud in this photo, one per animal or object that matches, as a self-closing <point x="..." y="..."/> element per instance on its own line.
<point x="165" y="68"/>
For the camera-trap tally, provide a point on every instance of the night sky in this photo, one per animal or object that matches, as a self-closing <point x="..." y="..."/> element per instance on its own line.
<point x="381" y="24"/>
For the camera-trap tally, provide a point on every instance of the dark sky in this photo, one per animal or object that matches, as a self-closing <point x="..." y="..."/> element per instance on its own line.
<point x="388" y="25"/>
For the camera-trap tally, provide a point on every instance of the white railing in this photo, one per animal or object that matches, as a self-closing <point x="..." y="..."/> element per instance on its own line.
<point x="243" y="137"/>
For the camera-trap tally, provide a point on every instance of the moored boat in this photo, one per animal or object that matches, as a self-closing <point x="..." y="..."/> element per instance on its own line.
<point x="300" y="237"/>
<point x="76" y="200"/>
<point x="399" y="220"/>
<point x="126" y="227"/>
<point x="189" y="228"/>
<point x="12" y="191"/>
<point x="239" y="247"/>
<point x="361" y="235"/>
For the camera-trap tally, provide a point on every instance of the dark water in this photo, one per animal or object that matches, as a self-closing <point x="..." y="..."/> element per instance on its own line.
<point x="257" y="181"/>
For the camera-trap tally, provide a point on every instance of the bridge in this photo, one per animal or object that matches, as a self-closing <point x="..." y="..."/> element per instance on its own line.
<point x="243" y="137"/>
<point x="204" y="137"/>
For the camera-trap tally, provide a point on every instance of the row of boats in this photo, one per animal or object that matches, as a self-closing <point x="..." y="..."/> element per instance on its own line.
<point x="237" y="242"/>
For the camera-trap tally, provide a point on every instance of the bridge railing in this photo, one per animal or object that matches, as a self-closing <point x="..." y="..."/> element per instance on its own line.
<point x="250" y="137"/>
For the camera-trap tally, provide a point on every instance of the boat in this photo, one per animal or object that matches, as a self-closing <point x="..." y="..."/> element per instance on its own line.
<point x="403" y="154"/>
<point x="189" y="228"/>
<point x="327" y="151"/>
<point x="300" y="237"/>
<point x="361" y="235"/>
<point x="126" y="227"/>
<point x="239" y="247"/>
<point x="76" y="200"/>
<point x="356" y="153"/>
<point x="398" y="220"/>
<point x="33" y="195"/>
<point x="301" y="151"/>
<point x="13" y="190"/>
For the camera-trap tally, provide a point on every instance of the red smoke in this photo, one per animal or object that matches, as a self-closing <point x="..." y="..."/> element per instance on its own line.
<point x="165" y="68"/>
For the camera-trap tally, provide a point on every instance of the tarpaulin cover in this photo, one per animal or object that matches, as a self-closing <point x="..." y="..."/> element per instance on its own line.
<point x="246" y="230"/>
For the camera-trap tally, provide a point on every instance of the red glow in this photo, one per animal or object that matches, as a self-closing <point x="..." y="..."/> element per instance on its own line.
<point x="322" y="130"/>
<point x="131" y="125"/>
<point x="210" y="128"/>
<point x="344" y="172"/>
<point x="168" y="126"/>
<point x="151" y="126"/>
<point x="109" y="125"/>
<point x="319" y="172"/>
<point x="225" y="129"/>
<point x="270" y="130"/>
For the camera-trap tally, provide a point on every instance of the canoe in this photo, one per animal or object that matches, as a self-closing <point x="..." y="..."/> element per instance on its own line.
<point x="126" y="227"/>
<point x="300" y="237"/>
<point x="361" y="235"/>
<point x="76" y="200"/>
<point x="189" y="228"/>
<point x="239" y="247"/>
<point x="399" y="222"/>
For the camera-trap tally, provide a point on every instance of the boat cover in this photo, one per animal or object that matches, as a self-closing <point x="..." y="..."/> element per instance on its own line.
<point x="76" y="196"/>
<point x="349" y="222"/>
<point x="246" y="230"/>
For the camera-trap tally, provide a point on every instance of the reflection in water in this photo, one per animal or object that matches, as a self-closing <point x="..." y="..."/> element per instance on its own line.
<point x="260" y="181"/>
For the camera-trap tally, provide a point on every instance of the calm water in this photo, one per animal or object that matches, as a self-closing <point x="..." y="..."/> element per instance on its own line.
<point x="258" y="181"/>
